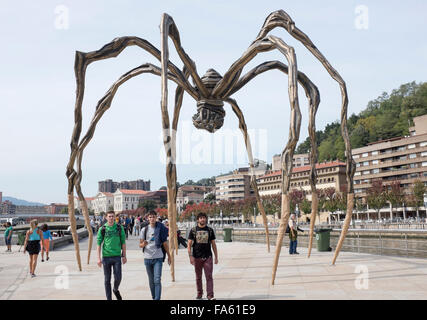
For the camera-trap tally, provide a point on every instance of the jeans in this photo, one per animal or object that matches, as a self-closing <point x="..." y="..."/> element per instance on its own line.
<point x="154" y="272"/>
<point x="293" y="247"/>
<point x="116" y="263"/>
<point x="206" y="265"/>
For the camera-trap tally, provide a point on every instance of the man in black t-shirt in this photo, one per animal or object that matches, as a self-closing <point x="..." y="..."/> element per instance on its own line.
<point x="201" y="239"/>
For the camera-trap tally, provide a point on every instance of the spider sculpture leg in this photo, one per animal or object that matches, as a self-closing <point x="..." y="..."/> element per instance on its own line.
<point x="244" y="129"/>
<point x="82" y="61"/>
<point x="225" y="86"/>
<point x="179" y="94"/>
<point x="281" y="19"/>
<point x="313" y="98"/>
<point x="168" y="28"/>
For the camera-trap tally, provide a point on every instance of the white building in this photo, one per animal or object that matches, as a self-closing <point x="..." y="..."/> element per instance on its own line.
<point x="127" y="199"/>
<point x="88" y="203"/>
<point x="103" y="202"/>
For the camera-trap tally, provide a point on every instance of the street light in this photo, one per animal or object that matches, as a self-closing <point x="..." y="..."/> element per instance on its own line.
<point x="254" y="218"/>
<point x="220" y="214"/>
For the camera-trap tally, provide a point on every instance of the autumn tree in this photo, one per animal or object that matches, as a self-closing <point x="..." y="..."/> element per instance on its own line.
<point x="376" y="196"/>
<point x="394" y="194"/>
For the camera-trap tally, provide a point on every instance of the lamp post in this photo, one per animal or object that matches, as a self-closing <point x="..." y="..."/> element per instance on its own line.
<point x="220" y="214"/>
<point x="254" y="218"/>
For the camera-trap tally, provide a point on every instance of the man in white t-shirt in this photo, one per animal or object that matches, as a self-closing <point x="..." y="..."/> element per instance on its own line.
<point x="154" y="238"/>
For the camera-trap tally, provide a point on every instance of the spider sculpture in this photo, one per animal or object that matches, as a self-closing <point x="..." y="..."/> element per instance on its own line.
<point x="211" y="91"/>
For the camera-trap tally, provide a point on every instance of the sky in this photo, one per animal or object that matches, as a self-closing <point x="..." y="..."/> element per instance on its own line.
<point x="375" y="45"/>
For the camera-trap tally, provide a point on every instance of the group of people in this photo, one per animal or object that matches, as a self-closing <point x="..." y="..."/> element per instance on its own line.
<point x="153" y="240"/>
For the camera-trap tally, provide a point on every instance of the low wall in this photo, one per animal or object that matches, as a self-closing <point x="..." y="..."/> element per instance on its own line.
<point x="56" y="242"/>
<point x="406" y="243"/>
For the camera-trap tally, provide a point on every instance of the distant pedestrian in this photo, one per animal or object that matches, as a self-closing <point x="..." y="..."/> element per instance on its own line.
<point x="293" y="234"/>
<point x="154" y="244"/>
<point x="201" y="239"/>
<point x="8" y="236"/>
<point x="92" y="224"/>
<point x="181" y="239"/>
<point x="32" y="245"/>
<point x="132" y="223"/>
<point x="47" y="236"/>
<point x="137" y="226"/>
<point x="113" y="240"/>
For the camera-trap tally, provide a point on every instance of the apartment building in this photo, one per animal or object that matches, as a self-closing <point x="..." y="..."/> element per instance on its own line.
<point x="112" y="186"/>
<point x="329" y="175"/>
<point x="298" y="160"/>
<point x="235" y="185"/>
<point x="401" y="159"/>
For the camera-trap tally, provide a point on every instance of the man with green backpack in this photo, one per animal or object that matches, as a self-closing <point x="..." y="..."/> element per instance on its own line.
<point x="113" y="240"/>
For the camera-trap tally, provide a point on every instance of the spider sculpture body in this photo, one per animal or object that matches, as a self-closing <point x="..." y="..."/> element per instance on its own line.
<point x="211" y="92"/>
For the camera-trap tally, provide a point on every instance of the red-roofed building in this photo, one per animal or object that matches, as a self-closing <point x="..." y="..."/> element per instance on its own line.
<point x="160" y="197"/>
<point x="55" y="208"/>
<point x="329" y="174"/>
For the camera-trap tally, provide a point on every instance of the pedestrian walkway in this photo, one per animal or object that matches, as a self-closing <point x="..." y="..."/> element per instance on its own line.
<point x="243" y="272"/>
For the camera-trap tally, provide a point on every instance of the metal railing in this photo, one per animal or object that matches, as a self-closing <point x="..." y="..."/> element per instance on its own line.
<point x="398" y="242"/>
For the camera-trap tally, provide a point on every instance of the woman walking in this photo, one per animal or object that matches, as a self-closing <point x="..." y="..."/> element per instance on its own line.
<point x="32" y="245"/>
<point x="47" y="236"/>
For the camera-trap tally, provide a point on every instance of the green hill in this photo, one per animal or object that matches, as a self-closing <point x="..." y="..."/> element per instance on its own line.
<point x="388" y="116"/>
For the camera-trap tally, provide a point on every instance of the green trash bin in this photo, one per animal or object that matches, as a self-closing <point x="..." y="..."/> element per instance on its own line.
<point x="227" y="234"/>
<point x="323" y="238"/>
<point x="21" y="238"/>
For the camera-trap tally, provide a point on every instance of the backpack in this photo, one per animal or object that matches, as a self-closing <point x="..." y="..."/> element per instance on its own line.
<point x="145" y="238"/>
<point x="119" y="231"/>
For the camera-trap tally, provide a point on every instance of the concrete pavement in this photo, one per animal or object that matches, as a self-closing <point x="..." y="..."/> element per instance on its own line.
<point x="243" y="272"/>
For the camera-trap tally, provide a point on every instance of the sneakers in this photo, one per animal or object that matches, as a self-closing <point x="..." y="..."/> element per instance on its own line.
<point x="47" y="258"/>
<point x="117" y="294"/>
<point x="42" y="260"/>
<point x="211" y="298"/>
<point x="199" y="298"/>
<point x="33" y="275"/>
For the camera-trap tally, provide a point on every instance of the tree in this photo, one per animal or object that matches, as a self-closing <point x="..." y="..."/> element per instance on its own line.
<point x="162" y="212"/>
<point x="272" y="203"/>
<point x="395" y="196"/>
<point x="418" y="191"/>
<point x="163" y="188"/>
<point x="210" y="198"/>
<point x="376" y="196"/>
<point x="296" y="196"/>
<point x="147" y="204"/>
<point x="305" y="206"/>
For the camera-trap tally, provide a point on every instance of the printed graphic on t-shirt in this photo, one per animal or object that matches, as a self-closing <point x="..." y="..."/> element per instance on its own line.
<point x="202" y="236"/>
